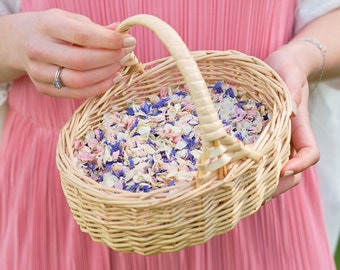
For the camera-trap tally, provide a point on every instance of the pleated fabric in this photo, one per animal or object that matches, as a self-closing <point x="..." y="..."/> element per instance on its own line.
<point x="37" y="230"/>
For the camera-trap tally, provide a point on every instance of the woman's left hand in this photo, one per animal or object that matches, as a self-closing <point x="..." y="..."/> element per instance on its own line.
<point x="304" y="149"/>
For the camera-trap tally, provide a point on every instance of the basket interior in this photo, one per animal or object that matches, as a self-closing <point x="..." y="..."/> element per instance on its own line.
<point x="245" y="74"/>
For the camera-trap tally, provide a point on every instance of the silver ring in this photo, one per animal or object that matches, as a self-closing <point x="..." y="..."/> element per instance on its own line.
<point x="58" y="83"/>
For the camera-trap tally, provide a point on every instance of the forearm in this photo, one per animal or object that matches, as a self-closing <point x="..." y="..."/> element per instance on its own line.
<point x="325" y="30"/>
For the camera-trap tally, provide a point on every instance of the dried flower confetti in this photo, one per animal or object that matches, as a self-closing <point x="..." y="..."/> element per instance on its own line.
<point x="157" y="143"/>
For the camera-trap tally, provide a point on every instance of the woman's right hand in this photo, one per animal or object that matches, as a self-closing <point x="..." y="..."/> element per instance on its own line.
<point x="41" y="42"/>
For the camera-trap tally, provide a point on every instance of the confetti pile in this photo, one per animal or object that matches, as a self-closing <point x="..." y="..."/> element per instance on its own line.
<point x="157" y="143"/>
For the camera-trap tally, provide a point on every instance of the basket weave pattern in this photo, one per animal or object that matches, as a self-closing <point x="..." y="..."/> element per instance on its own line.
<point x="225" y="191"/>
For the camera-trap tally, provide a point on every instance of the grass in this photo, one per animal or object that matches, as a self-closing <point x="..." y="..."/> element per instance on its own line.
<point x="337" y="255"/>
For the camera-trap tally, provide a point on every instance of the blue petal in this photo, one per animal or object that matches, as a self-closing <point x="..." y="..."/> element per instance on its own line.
<point x="135" y="124"/>
<point x="146" y="188"/>
<point x="218" y="87"/>
<point x="101" y="134"/>
<point x="161" y="171"/>
<point x="181" y="93"/>
<point x="155" y="111"/>
<point x="120" y="174"/>
<point x="239" y="104"/>
<point x="108" y="166"/>
<point x="173" y="153"/>
<point x="161" y="103"/>
<point x="146" y="107"/>
<point x="225" y="123"/>
<point x="191" y="158"/>
<point x="238" y="135"/>
<point x="150" y="142"/>
<point x="131" y="163"/>
<point x="133" y="187"/>
<point x="190" y="142"/>
<point x="114" y="147"/>
<point x="229" y="92"/>
<point x="90" y="166"/>
<point x="130" y="111"/>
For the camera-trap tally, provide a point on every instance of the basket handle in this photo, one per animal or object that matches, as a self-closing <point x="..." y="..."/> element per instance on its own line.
<point x="219" y="147"/>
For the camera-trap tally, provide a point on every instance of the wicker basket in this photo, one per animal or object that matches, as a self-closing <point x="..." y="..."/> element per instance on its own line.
<point x="233" y="180"/>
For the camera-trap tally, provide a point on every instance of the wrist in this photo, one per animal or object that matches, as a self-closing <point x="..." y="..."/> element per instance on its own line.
<point x="311" y="56"/>
<point x="323" y="52"/>
<point x="14" y="31"/>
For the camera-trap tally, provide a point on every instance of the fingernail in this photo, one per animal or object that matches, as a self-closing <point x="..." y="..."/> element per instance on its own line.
<point x="129" y="41"/>
<point x="268" y="200"/>
<point x="125" y="59"/>
<point x="288" y="173"/>
<point x="129" y="49"/>
<point x="294" y="108"/>
<point x="118" y="78"/>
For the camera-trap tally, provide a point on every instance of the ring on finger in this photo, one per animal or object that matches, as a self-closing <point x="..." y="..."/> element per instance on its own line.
<point x="58" y="83"/>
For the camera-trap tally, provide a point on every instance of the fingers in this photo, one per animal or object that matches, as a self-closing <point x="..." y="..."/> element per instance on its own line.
<point x="73" y="57"/>
<point x="306" y="152"/>
<point x="91" y="55"/>
<point x="113" y="26"/>
<point x="76" y="84"/>
<point x="77" y="29"/>
<point x="79" y="88"/>
<point x="286" y="183"/>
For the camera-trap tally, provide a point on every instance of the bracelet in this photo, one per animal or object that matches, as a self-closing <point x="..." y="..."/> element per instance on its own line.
<point x="323" y="51"/>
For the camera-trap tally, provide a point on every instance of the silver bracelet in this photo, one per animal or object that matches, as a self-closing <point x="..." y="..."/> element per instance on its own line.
<point x="323" y="51"/>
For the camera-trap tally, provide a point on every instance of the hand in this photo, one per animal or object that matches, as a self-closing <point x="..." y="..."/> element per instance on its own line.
<point x="90" y="54"/>
<point x="304" y="149"/>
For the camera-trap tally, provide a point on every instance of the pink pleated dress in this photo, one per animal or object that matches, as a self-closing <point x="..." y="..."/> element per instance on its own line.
<point x="37" y="230"/>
